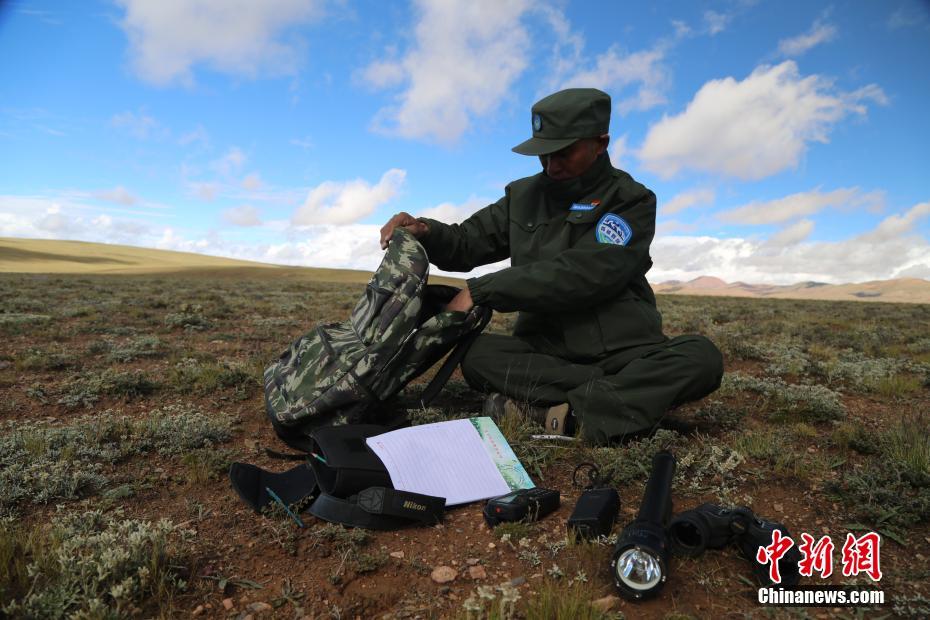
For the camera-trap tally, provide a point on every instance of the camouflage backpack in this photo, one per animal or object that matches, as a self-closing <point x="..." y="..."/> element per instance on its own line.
<point x="340" y="373"/>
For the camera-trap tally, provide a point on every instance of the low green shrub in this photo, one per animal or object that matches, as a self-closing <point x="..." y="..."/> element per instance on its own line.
<point x="87" y="388"/>
<point x="804" y="402"/>
<point x="44" y="462"/>
<point x="189" y="317"/>
<point x="143" y="346"/>
<point x="94" y="565"/>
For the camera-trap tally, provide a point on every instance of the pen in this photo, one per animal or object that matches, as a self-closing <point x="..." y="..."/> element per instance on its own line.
<point x="275" y="497"/>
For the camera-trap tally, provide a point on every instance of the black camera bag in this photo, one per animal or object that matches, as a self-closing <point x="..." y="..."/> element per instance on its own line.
<point x="343" y="481"/>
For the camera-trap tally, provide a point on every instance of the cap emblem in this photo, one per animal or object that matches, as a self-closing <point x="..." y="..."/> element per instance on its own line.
<point x="537" y="122"/>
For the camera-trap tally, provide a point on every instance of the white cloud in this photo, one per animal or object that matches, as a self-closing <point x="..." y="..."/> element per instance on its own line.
<point x="800" y="204"/>
<point x="119" y="195"/>
<point x="347" y="202"/>
<point x="682" y="29"/>
<point x="383" y="74"/>
<point x="128" y="228"/>
<point x="614" y="70"/>
<point x="753" y="128"/>
<point x="792" y="235"/>
<point x="244" y="215"/>
<point x="911" y="15"/>
<point x="198" y="134"/>
<point x="716" y="22"/>
<point x="818" y="33"/>
<point x="352" y="246"/>
<point x="65" y="217"/>
<point x="167" y="38"/>
<point x="896" y="225"/>
<point x="140" y="126"/>
<point x="203" y="191"/>
<point x="618" y="151"/>
<point x="890" y="250"/>
<point x="465" y="57"/>
<point x="54" y="221"/>
<point x="451" y="213"/>
<point x="687" y="199"/>
<point x="304" y="143"/>
<point x="252" y="182"/>
<point x="231" y="161"/>
<point x="667" y="227"/>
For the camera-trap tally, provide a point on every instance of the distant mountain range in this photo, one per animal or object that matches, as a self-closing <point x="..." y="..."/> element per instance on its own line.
<point x="908" y="290"/>
<point x="79" y="257"/>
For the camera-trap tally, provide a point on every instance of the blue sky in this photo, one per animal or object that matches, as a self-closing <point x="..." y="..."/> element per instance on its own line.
<point x="785" y="141"/>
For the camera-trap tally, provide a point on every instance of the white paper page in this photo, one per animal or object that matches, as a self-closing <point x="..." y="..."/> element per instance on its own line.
<point x="446" y="459"/>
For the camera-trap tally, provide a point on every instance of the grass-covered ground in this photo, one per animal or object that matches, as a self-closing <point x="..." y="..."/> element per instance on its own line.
<point x="123" y="399"/>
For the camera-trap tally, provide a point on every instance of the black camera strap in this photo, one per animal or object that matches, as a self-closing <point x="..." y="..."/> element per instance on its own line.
<point x="379" y="508"/>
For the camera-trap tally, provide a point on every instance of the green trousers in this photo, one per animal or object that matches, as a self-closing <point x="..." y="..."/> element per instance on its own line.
<point x="626" y="391"/>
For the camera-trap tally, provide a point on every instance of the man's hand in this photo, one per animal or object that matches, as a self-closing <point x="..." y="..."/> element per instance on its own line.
<point x="461" y="302"/>
<point x="404" y="220"/>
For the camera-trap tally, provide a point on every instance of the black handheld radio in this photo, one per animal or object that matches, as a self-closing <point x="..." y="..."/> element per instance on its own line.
<point x="521" y="505"/>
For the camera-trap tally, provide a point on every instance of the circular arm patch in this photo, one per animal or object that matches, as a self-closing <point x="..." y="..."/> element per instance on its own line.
<point x="612" y="228"/>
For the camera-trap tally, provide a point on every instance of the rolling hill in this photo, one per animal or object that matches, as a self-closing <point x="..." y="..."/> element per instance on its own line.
<point x="902" y="290"/>
<point x="83" y="258"/>
<point x="51" y="256"/>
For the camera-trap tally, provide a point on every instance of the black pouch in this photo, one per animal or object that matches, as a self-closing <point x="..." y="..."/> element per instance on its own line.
<point x="342" y="461"/>
<point x="343" y="482"/>
<point x="355" y="487"/>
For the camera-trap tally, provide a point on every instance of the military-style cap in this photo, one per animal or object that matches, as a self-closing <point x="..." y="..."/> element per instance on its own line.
<point x="565" y="117"/>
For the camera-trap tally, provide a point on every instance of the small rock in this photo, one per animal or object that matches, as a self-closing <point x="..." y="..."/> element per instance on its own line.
<point x="445" y="590"/>
<point x="397" y="554"/>
<point x="227" y="604"/>
<point x="197" y="611"/>
<point x="606" y="604"/>
<point x="492" y="546"/>
<point x="517" y="581"/>
<point x="260" y="607"/>
<point x="472" y="561"/>
<point x="443" y="574"/>
<point x="778" y="507"/>
<point x="4" y="364"/>
<point x="477" y="572"/>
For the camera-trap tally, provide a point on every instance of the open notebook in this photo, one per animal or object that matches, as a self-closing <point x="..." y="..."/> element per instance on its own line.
<point x="461" y="460"/>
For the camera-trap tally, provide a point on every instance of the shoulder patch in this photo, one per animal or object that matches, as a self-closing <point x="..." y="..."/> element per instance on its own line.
<point x="613" y="229"/>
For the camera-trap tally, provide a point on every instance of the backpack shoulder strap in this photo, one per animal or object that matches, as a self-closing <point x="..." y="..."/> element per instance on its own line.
<point x="448" y="367"/>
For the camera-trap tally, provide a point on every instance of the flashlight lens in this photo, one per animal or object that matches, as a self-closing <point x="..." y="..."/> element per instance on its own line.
<point x="639" y="569"/>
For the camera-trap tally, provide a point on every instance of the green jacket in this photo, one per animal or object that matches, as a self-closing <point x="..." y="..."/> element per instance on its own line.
<point x="579" y="255"/>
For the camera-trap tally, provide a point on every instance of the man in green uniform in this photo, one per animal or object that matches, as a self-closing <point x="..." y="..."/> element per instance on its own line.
<point x="587" y="351"/>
